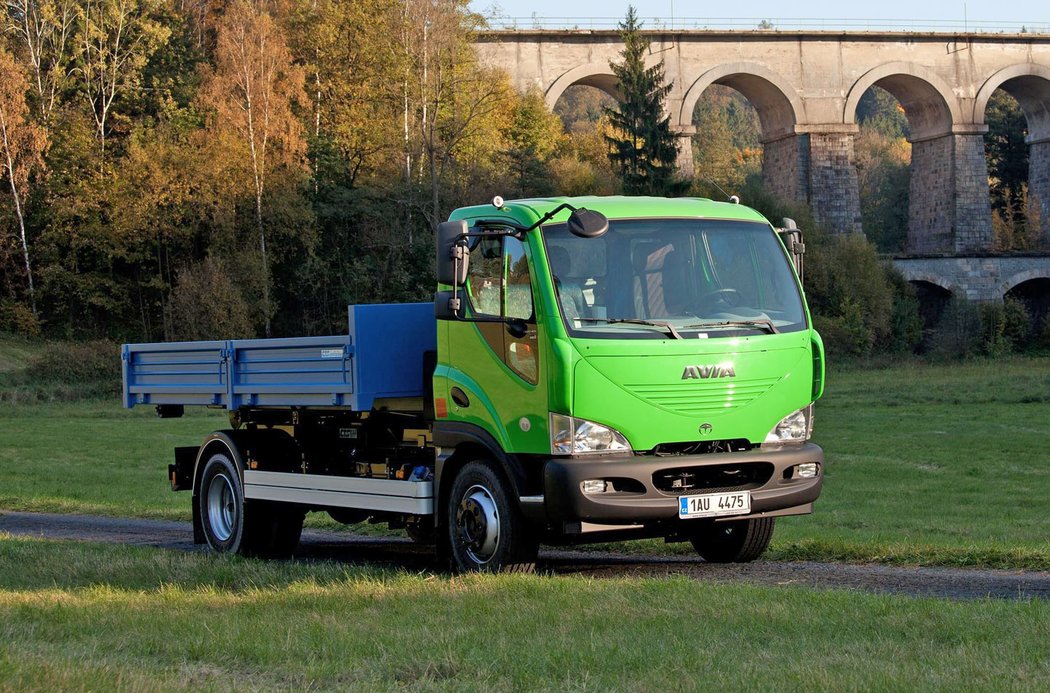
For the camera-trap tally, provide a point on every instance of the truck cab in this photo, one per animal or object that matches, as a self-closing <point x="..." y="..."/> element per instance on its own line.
<point x="652" y="376"/>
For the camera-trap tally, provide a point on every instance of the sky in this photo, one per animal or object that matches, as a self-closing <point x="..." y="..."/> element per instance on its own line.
<point x="819" y="13"/>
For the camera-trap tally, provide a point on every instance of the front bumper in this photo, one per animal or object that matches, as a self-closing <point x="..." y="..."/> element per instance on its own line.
<point x="565" y="502"/>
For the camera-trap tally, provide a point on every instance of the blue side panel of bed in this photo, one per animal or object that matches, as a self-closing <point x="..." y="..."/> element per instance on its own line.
<point x="381" y="356"/>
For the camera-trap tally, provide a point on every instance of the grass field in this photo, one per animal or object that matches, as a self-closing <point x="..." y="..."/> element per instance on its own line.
<point x="927" y="464"/>
<point x="81" y="616"/>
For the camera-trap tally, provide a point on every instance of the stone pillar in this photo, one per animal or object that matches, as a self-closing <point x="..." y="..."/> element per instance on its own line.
<point x="684" y="135"/>
<point x="834" y="193"/>
<point x="1039" y="187"/>
<point x="785" y="167"/>
<point x="949" y="209"/>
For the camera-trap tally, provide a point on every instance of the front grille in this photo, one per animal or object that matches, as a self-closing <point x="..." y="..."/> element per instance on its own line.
<point x="692" y="397"/>
<point x="713" y="478"/>
<point x="702" y="447"/>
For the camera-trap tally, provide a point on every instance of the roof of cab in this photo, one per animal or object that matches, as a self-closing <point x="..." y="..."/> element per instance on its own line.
<point x="527" y="212"/>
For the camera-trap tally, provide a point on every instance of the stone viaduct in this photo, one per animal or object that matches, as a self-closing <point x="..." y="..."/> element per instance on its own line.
<point x="806" y="85"/>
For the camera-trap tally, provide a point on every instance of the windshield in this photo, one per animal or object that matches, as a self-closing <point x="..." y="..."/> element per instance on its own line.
<point x="674" y="278"/>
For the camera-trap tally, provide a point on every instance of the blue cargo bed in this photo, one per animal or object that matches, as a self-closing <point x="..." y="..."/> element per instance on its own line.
<point x="380" y="357"/>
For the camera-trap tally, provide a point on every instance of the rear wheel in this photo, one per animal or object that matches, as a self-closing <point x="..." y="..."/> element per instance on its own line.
<point x="221" y="501"/>
<point x="232" y="525"/>
<point x="486" y="532"/>
<point x="738" y="541"/>
<point x="272" y="530"/>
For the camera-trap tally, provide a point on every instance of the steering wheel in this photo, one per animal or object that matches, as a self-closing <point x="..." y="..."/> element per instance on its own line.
<point x="727" y="297"/>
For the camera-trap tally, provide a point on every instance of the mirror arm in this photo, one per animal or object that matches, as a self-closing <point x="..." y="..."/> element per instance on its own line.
<point x="550" y="215"/>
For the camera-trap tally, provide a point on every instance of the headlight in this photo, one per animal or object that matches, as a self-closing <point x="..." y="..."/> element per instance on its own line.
<point x="572" y="436"/>
<point x="796" y="427"/>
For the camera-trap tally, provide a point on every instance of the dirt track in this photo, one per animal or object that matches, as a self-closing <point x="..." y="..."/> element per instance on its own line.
<point x="349" y="548"/>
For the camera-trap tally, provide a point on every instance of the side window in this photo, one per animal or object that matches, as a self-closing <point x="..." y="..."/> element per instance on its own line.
<point x="519" y="283"/>
<point x="521" y="354"/>
<point x="485" y="277"/>
<point x="500" y="286"/>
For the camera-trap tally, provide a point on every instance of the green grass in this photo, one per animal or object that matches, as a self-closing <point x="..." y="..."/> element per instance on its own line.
<point x="15" y="353"/>
<point x="927" y="464"/>
<point x="76" y="616"/>
<point x="94" y="457"/>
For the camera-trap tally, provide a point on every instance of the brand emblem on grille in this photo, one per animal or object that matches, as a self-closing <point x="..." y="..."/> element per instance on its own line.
<point x="722" y="370"/>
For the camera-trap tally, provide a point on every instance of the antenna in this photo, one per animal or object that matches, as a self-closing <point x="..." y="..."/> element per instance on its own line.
<point x="731" y="198"/>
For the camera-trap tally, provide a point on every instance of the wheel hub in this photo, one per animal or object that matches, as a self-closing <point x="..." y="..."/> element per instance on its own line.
<point x="222" y="507"/>
<point x="477" y="524"/>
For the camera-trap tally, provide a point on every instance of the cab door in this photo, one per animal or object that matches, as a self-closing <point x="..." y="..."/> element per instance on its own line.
<point x="495" y="369"/>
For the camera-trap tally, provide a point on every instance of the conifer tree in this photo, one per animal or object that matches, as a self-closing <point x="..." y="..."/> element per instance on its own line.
<point x="642" y="146"/>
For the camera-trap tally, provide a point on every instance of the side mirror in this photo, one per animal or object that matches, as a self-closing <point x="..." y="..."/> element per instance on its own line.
<point x="792" y="239"/>
<point x="587" y="223"/>
<point x="446" y="305"/>
<point x="453" y="255"/>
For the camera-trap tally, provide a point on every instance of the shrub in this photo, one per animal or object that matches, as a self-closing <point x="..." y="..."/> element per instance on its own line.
<point x="906" y="320"/>
<point x="1017" y="324"/>
<point x="86" y="368"/>
<point x="208" y="304"/>
<point x="17" y="318"/>
<point x="958" y="333"/>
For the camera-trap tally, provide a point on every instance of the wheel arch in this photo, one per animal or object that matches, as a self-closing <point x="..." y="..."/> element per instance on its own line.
<point x="234" y="444"/>
<point x="462" y="443"/>
<point x="274" y="446"/>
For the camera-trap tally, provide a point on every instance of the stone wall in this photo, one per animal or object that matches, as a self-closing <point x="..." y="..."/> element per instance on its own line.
<point x="949" y="209"/>
<point x="834" y="195"/>
<point x="785" y="165"/>
<point x="930" y="197"/>
<point x="973" y="211"/>
<point x="1039" y="187"/>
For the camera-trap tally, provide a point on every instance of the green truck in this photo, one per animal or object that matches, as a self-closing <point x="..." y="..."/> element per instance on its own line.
<point x="591" y="369"/>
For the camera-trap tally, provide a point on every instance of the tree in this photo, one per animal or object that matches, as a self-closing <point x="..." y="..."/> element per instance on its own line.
<point x="533" y="136"/>
<point x="253" y="91"/>
<point x="1007" y="154"/>
<point x="642" y="147"/>
<point x="117" y="38"/>
<point x="44" y="28"/>
<point x="23" y="145"/>
<point x="459" y="103"/>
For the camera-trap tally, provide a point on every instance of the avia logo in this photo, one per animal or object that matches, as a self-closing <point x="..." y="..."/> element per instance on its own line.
<point x="723" y="370"/>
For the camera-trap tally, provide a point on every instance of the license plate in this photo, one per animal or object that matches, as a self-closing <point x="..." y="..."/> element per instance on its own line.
<point x="715" y="504"/>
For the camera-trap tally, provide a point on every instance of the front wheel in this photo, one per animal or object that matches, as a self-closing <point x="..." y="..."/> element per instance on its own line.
<point x="486" y="531"/>
<point x="738" y="541"/>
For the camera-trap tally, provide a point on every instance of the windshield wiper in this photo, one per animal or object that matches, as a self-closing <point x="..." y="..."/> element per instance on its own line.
<point x="767" y="324"/>
<point x="635" y="321"/>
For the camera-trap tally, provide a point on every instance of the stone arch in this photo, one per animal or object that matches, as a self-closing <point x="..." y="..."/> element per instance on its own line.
<point x="1018" y="278"/>
<point x="1032" y="288"/>
<point x="1029" y="83"/>
<point x="915" y="276"/>
<point x="777" y="101"/>
<point x="933" y="293"/>
<point x="597" y="75"/>
<point x="929" y="102"/>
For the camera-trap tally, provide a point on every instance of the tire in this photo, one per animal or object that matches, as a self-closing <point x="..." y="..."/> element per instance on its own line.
<point x="221" y="500"/>
<point x="232" y="525"/>
<point x="485" y="529"/>
<point x="739" y="541"/>
<point x="272" y="530"/>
